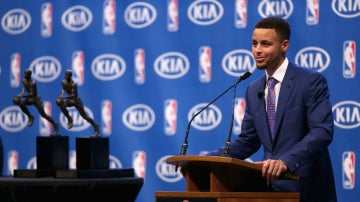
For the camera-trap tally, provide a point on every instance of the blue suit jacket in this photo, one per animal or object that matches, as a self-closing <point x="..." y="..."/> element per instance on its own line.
<point x="303" y="130"/>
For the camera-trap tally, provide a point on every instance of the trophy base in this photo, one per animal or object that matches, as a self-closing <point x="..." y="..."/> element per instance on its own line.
<point x="92" y="153"/>
<point x="92" y="159"/>
<point x="75" y="174"/>
<point x="52" y="152"/>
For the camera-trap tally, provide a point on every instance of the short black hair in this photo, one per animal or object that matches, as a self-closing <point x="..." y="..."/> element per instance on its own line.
<point x="281" y="26"/>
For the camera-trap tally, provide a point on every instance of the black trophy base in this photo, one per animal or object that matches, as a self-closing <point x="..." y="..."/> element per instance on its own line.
<point x="52" y="152"/>
<point x="75" y="174"/>
<point x="29" y="173"/>
<point x="105" y="173"/>
<point x="92" y="153"/>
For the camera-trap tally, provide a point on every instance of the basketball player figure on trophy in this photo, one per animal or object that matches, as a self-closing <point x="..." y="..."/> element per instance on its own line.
<point x="69" y="87"/>
<point x="29" y="96"/>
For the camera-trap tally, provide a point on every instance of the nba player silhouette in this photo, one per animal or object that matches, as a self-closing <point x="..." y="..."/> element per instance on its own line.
<point x="69" y="87"/>
<point x="29" y="96"/>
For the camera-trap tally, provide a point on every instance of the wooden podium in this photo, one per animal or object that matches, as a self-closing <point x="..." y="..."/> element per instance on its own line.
<point x="224" y="179"/>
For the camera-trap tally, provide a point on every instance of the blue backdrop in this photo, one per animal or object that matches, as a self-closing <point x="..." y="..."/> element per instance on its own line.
<point x="145" y="67"/>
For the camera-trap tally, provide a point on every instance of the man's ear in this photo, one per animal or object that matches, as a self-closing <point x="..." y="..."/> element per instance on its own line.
<point x="285" y="45"/>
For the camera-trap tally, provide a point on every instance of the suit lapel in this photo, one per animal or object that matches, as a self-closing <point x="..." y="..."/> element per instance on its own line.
<point x="261" y="111"/>
<point x="285" y="92"/>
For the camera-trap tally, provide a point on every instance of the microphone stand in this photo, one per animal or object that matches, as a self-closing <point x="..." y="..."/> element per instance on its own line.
<point x="185" y="143"/>
<point x="227" y="143"/>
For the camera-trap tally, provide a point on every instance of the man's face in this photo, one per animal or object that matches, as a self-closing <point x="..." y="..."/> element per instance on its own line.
<point x="267" y="49"/>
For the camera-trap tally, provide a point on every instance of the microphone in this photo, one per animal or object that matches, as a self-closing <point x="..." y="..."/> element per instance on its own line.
<point x="227" y="143"/>
<point x="185" y="143"/>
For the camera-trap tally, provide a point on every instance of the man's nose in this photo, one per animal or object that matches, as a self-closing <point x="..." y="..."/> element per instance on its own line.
<point x="257" y="48"/>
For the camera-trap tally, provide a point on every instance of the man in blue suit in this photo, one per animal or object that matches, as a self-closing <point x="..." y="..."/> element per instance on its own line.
<point x="303" y="122"/>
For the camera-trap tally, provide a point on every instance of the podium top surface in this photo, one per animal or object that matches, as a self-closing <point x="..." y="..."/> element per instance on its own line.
<point x="218" y="160"/>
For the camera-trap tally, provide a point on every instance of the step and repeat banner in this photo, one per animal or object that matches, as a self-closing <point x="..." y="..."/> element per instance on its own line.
<point x="144" y="68"/>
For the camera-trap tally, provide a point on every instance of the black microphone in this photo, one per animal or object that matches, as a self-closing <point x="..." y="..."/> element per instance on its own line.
<point x="260" y="95"/>
<point x="185" y="143"/>
<point x="227" y="143"/>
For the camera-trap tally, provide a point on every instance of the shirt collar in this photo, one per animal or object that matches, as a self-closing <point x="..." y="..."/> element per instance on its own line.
<point x="279" y="74"/>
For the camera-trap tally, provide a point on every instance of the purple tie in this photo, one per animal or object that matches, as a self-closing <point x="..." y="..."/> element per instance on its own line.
<point x="271" y="98"/>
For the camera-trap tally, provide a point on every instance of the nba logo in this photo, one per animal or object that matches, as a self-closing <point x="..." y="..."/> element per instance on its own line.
<point x="78" y="67"/>
<point x="205" y="64"/>
<point x="46" y="19"/>
<point x="348" y="167"/>
<point x="172" y="15"/>
<point x="170" y="116"/>
<point x="349" y="66"/>
<point x="13" y="161"/>
<point x="139" y="163"/>
<point x="139" y="61"/>
<point x="109" y="17"/>
<point x="312" y="12"/>
<point x="239" y="112"/>
<point x="240" y="13"/>
<point x="106" y="117"/>
<point x="45" y="125"/>
<point x="15" y="62"/>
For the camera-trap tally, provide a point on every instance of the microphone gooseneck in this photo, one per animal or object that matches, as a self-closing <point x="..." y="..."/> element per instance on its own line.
<point x="185" y="143"/>
<point x="227" y="143"/>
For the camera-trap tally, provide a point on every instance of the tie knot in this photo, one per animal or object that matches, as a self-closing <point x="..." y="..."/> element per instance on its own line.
<point x="272" y="82"/>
